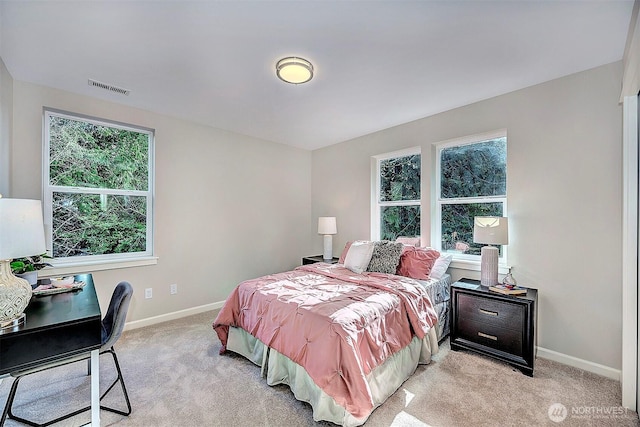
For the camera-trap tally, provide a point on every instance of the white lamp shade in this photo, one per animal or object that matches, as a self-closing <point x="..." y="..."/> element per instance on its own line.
<point x="491" y="230"/>
<point x="21" y="228"/>
<point x="327" y="225"/>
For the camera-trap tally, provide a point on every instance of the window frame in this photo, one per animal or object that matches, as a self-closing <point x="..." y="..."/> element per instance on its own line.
<point x="464" y="260"/>
<point x="70" y="265"/>
<point x="376" y="204"/>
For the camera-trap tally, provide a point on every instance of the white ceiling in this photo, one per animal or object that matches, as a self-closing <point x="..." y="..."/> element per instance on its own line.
<point x="377" y="63"/>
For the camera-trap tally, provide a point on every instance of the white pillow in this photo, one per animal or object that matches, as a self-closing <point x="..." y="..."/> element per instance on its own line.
<point x="440" y="266"/>
<point x="358" y="256"/>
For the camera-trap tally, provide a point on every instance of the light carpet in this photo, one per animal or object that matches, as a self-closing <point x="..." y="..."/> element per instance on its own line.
<point x="175" y="377"/>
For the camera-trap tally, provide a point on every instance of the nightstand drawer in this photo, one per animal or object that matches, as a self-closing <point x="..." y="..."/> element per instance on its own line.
<point x="496" y="313"/>
<point x="493" y="336"/>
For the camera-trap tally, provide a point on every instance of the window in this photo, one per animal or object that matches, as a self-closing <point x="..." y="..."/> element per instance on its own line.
<point x="396" y="201"/>
<point x="98" y="189"/>
<point x="471" y="180"/>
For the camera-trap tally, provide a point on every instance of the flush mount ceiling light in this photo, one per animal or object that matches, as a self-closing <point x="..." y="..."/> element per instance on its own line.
<point x="294" y="70"/>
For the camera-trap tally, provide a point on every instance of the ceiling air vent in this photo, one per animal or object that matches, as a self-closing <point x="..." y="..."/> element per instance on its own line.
<point x="109" y="87"/>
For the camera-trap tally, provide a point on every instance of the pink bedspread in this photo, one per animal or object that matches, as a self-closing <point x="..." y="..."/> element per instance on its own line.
<point x="336" y="324"/>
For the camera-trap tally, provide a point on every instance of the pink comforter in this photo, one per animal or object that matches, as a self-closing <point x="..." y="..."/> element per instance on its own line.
<point x="336" y="324"/>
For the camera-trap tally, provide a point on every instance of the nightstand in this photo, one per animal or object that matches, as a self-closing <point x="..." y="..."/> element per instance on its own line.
<point x="493" y="324"/>
<point x="317" y="258"/>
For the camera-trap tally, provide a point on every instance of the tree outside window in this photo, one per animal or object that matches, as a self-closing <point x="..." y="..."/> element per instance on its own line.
<point x="396" y="210"/>
<point x="98" y="187"/>
<point x="471" y="181"/>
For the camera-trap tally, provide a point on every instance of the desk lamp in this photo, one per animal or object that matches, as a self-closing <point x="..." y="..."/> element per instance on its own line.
<point x="327" y="226"/>
<point x="21" y="235"/>
<point x="492" y="230"/>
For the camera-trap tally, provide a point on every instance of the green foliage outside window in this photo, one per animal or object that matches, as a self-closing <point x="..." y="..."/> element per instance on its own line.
<point x="84" y="154"/>
<point x="86" y="158"/>
<point x="474" y="178"/>
<point x="474" y="170"/>
<point x="399" y="221"/>
<point x="457" y="225"/>
<point x="400" y="178"/>
<point x="92" y="224"/>
<point x="400" y="182"/>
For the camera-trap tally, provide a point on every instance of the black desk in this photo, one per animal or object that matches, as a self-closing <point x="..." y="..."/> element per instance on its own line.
<point x="57" y="326"/>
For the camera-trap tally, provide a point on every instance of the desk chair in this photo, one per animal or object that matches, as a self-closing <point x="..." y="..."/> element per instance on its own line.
<point x="112" y="326"/>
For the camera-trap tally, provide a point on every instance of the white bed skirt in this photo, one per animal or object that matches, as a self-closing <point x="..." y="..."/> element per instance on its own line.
<point x="383" y="380"/>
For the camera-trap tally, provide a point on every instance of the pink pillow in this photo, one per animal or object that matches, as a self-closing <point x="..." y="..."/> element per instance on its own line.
<point x="417" y="262"/>
<point x="343" y="255"/>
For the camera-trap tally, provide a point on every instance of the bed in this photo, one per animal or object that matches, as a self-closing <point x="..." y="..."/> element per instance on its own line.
<point x="342" y="341"/>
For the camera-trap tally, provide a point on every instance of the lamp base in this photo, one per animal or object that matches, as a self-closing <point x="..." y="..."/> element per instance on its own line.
<point x="489" y="266"/>
<point x="15" y="294"/>
<point x="328" y="247"/>
<point x="10" y="324"/>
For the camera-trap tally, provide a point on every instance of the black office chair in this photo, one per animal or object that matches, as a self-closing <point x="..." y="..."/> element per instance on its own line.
<point x="112" y="326"/>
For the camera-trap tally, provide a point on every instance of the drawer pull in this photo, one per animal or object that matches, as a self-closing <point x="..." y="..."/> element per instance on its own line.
<point x="490" y="313"/>
<point x="491" y="337"/>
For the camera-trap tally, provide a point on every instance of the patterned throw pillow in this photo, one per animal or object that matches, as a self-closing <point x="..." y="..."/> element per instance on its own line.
<point x="386" y="257"/>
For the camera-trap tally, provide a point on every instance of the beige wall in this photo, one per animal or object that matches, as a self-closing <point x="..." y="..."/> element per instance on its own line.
<point x="564" y="198"/>
<point x="6" y="103"/>
<point x="228" y="207"/>
<point x="631" y="75"/>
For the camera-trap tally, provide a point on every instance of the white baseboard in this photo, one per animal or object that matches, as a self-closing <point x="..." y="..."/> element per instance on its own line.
<point x="172" y="316"/>
<point x="605" y="371"/>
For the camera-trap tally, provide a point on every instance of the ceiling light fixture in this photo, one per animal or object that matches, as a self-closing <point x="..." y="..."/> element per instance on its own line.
<point x="294" y="70"/>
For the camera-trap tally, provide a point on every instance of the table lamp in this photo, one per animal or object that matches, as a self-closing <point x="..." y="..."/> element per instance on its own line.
<point x="327" y="227"/>
<point x="21" y="235"/>
<point x="491" y="230"/>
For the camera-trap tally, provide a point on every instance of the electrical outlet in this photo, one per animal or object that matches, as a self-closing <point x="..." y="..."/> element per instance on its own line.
<point x="173" y="289"/>
<point x="148" y="293"/>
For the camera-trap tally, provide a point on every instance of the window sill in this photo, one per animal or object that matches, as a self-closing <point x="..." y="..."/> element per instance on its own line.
<point x="92" y="266"/>
<point x="464" y="264"/>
